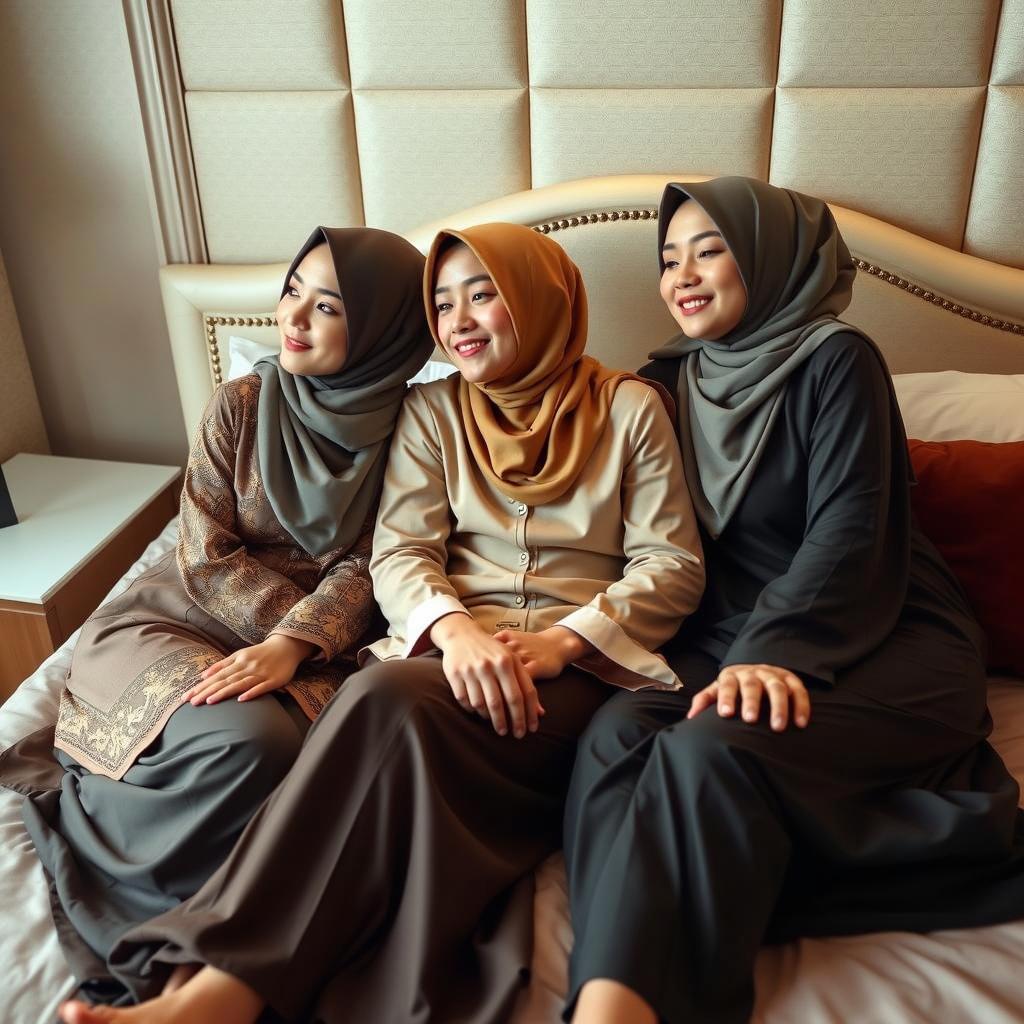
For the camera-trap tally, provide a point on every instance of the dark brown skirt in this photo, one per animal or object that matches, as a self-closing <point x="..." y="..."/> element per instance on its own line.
<point x="387" y="879"/>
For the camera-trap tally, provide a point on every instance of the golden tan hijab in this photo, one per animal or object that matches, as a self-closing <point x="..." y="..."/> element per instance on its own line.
<point x="533" y="430"/>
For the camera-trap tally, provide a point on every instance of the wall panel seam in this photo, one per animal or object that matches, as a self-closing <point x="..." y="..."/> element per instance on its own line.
<point x="995" y="43"/>
<point x="974" y="168"/>
<point x="358" y="161"/>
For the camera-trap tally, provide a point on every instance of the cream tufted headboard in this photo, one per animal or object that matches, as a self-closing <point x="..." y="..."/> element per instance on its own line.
<point x="929" y="308"/>
<point x="282" y="115"/>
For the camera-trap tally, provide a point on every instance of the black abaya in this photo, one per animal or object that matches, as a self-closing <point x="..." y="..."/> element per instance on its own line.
<point x="689" y="843"/>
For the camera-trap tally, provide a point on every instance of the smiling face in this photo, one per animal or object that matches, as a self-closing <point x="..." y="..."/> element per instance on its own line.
<point x="473" y="322"/>
<point x="701" y="284"/>
<point x="311" y="318"/>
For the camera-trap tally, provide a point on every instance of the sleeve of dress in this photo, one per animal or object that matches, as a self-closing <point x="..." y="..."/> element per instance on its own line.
<point x="846" y="585"/>
<point x="663" y="578"/>
<point x="413" y="525"/>
<point x="215" y="567"/>
<point x="336" y="615"/>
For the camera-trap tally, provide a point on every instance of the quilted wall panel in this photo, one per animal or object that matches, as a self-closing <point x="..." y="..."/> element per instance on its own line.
<point x="580" y="132"/>
<point x="434" y="44"/>
<point x="391" y="113"/>
<point x="270" y="167"/>
<point x="995" y="225"/>
<point x="236" y="45"/>
<point x="634" y="44"/>
<point x="905" y="155"/>
<point x="427" y="153"/>
<point x="887" y="44"/>
<point x="1008" y="60"/>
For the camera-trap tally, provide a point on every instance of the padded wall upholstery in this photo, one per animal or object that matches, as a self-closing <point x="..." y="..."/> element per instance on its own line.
<point x="391" y="113"/>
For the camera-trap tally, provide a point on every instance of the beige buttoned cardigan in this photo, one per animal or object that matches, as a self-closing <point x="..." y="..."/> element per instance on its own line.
<point x="617" y="559"/>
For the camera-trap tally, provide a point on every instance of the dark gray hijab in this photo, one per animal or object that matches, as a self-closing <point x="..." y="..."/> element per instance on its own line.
<point x="799" y="276"/>
<point x="323" y="441"/>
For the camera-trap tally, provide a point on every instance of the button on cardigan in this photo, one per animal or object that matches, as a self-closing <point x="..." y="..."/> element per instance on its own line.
<point x="617" y="559"/>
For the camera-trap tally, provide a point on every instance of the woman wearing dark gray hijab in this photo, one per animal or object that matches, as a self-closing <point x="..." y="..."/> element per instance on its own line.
<point x="831" y="776"/>
<point x="154" y="771"/>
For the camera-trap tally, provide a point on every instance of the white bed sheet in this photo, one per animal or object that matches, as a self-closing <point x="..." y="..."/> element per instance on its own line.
<point x="892" y="978"/>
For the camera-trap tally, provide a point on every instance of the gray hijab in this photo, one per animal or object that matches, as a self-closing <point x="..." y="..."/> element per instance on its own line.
<point x="323" y="441"/>
<point x="799" y="276"/>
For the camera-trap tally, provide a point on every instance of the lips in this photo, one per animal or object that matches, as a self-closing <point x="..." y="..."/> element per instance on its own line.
<point x="469" y="347"/>
<point x="294" y="345"/>
<point x="692" y="304"/>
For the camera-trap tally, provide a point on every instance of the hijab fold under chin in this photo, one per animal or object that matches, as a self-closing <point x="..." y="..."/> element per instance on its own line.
<point x="799" y="277"/>
<point x="322" y="442"/>
<point x="533" y="430"/>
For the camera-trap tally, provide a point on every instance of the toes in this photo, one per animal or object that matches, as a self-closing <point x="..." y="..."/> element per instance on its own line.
<point x="76" y="1012"/>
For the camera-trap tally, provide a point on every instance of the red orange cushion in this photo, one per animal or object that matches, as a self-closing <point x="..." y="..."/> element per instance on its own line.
<point x="969" y="501"/>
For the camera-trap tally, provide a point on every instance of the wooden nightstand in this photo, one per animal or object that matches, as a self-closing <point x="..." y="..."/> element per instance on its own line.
<point x="82" y="523"/>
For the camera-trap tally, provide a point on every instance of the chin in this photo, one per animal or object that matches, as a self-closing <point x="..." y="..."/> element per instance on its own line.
<point x="286" y="359"/>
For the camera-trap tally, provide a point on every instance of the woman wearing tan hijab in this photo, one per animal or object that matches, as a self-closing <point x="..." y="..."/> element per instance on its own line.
<point x="535" y="544"/>
<point x="190" y="694"/>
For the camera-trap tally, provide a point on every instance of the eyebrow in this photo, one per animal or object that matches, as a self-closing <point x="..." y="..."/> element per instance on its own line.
<point x="469" y="280"/>
<point x="695" y="238"/>
<point x="322" y="291"/>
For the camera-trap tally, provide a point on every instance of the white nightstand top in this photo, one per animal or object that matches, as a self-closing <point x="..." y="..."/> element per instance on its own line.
<point x="67" y="509"/>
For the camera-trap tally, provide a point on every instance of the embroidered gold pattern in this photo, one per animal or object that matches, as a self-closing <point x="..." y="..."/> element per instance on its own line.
<point x="266" y="581"/>
<point x="107" y="738"/>
<point x="239" y="565"/>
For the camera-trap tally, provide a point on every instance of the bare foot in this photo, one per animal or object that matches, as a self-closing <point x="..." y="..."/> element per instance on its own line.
<point x="180" y="974"/>
<point x="603" y="1001"/>
<point x="74" y="1011"/>
<point x="209" y="997"/>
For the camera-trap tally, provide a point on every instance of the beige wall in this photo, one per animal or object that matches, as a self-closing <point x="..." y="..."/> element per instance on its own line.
<point x="77" y="233"/>
<point x="21" y="423"/>
<point x="510" y="93"/>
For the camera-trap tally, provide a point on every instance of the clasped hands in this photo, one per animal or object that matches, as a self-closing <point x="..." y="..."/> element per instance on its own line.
<point x="493" y="676"/>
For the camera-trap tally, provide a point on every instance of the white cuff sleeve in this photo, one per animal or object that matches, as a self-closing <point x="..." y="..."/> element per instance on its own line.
<point x="618" y="659"/>
<point x="422" y="617"/>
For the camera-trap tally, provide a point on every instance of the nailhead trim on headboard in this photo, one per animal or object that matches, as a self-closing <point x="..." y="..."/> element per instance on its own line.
<point x="869" y="268"/>
<point x="583" y="219"/>
<point x="213" y="322"/>
<point x="938" y="300"/>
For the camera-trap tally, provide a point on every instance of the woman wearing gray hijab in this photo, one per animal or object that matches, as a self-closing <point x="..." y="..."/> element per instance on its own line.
<point x="831" y="776"/>
<point x="154" y="771"/>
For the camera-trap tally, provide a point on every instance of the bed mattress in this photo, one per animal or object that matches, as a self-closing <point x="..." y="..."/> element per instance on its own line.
<point x="890" y="978"/>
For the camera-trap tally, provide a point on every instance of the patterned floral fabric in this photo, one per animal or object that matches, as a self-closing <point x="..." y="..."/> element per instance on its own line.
<point x="237" y="576"/>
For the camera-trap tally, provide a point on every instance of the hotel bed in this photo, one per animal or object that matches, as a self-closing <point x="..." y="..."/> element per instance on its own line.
<point x="952" y="329"/>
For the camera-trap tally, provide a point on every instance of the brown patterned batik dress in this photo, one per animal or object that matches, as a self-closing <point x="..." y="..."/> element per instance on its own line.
<point x="237" y="576"/>
<point x="144" y="794"/>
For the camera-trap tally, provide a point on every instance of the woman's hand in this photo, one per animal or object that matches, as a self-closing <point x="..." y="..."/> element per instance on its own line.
<point x="486" y="676"/>
<point x="545" y="655"/>
<point x="252" y="671"/>
<point x="750" y="683"/>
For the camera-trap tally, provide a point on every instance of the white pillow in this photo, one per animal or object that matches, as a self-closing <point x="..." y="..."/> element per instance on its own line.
<point x="952" y="406"/>
<point x="244" y="352"/>
<point x="433" y="369"/>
